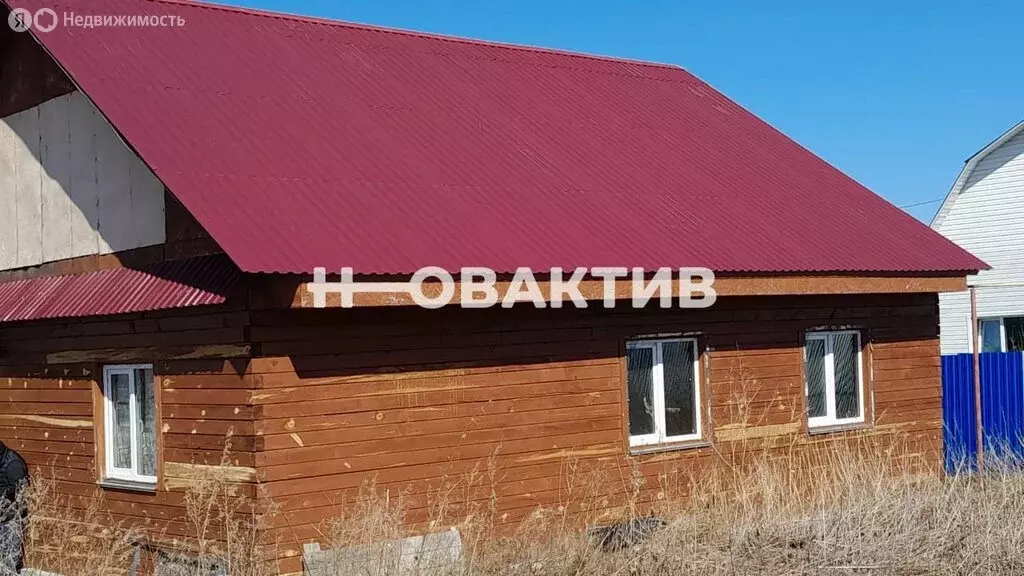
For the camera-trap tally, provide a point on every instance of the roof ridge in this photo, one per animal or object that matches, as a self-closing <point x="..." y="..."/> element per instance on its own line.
<point x="416" y="33"/>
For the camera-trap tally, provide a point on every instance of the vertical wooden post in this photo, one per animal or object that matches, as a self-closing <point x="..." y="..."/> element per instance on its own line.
<point x="976" y="334"/>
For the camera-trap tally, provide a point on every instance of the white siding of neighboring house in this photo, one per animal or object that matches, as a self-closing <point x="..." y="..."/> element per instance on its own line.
<point x="70" y="187"/>
<point x="987" y="219"/>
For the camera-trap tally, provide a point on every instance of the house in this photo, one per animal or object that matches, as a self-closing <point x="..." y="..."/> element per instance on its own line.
<point x="166" y="192"/>
<point x="982" y="213"/>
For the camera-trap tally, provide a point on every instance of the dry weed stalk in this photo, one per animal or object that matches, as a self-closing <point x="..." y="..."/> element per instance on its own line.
<point x="79" y="536"/>
<point x="375" y="515"/>
<point x="226" y="527"/>
<point x="74" y="536"/>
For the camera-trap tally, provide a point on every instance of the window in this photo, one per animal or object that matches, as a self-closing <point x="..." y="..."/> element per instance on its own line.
<point x="663" y="391"/>
<point x="1001" y="334"/>
<point x="130" y="423"/>
<point x="834" y="382"/>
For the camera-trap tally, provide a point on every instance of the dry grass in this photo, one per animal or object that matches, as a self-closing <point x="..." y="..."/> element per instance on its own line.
<point x="74" y="536"/>
<point x="226" y="531"/>
<point x="835" y="509"/>
<point x="830" y="508"/>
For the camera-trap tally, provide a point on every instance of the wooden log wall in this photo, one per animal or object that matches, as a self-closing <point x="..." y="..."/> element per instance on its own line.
<point x="500" y="406"/>
<point x="418" y="400"/>
<point x="50" y="389"/>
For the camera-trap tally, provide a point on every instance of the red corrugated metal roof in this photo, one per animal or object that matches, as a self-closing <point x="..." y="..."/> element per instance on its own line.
<point x="171" y="284"/>
<point x="299" y="142"/>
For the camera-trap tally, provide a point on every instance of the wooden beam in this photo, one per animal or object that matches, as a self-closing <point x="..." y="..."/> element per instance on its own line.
<point x="180" y="475"/>
<point x="292" y="291"/>
<point x="150" y="354"/>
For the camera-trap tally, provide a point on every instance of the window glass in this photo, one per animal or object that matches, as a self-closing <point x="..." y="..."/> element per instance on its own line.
<point x="145" y="421"/>
<point x="815" y="362"/>
<point x="120" y="390"/>
<point x="845" y="352"/>
<point x="640" y="368"/>
<point x="680" y="407"/>
<point x="1014" y="328"/>
<point x="991" y="337"/>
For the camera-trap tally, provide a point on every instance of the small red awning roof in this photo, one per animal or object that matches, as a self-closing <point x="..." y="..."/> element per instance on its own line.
<point x="171" y="284"/>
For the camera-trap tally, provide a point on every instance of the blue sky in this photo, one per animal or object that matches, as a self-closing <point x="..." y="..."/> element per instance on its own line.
<point x="895" y="94"/>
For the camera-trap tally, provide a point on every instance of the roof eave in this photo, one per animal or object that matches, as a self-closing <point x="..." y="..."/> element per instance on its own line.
<point x="965" y="173"/>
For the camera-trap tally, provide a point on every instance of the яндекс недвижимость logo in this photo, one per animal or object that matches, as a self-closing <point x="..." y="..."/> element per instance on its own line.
<point x="47" y="19"/>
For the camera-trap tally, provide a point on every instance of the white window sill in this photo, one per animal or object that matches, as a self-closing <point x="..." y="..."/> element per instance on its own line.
<point x="839" y="427"/>
<point x="129" y="485"/>
<point x="668" y="446"/>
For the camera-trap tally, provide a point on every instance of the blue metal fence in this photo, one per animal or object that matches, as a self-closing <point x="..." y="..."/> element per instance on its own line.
<point x="1002" y="406"/>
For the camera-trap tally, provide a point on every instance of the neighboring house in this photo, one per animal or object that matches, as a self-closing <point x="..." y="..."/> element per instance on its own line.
<point x="165" y="193"/>
<point x="984" y="213"/>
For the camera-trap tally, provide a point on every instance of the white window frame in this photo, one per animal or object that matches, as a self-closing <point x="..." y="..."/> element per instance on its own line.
<point x="112" y="472"/>
<point x="1002" y="330"/>
<point x="829" y="419"/>
<point x="658" y="383"/>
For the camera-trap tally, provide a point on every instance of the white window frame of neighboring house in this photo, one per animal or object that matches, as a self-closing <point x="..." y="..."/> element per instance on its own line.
<point x="111" y="471"/>
<point x="1002" y="331"/>
<point x="829" y="419"/>
<point x="658" y="383"/>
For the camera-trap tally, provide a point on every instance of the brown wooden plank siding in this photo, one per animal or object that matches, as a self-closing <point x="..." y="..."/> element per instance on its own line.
<point x="51" y="413"/>
<point x="416" y="398"/>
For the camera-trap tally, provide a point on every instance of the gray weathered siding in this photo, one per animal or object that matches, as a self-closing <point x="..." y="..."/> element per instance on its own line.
<point x="70" y="187"/>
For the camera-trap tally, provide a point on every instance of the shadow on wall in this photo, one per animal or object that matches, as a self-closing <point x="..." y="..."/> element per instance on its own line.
<point x="28" y="75"/>
<point x="338" y="342"/>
